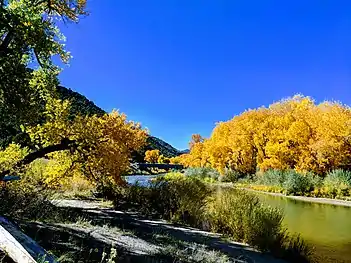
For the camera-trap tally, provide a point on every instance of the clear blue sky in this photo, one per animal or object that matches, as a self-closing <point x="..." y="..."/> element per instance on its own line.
<point x="180" y="66"/>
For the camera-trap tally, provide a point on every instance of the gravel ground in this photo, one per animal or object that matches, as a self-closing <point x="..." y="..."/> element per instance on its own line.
<point x="138" y="235"/>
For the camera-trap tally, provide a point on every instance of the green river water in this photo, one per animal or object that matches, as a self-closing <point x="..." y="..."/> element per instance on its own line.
<point x="326" y="227"/>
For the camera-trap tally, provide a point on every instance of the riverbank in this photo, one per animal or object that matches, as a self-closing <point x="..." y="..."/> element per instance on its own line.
<point x="135" y="238"/>
<point x="320" y="200"/>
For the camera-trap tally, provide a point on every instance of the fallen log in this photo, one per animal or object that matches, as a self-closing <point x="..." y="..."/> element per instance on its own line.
<point x="20" y="247"/>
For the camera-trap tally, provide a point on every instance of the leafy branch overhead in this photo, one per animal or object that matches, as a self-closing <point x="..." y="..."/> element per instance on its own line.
<point x="31" y="104"/>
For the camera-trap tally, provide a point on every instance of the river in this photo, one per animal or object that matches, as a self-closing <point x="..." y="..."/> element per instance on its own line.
<point x="325" y="227"/>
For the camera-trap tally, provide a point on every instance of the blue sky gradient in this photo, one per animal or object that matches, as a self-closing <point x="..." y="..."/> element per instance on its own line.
<point x="178" y="66"/>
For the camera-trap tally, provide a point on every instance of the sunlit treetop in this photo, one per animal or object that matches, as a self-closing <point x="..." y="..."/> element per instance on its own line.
<point x="294" y="133"/>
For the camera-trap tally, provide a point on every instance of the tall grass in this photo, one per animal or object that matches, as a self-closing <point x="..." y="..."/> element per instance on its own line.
<point x="235" y="213"/>
<point x="180" y="200"/>
<point x="240" y="215"/>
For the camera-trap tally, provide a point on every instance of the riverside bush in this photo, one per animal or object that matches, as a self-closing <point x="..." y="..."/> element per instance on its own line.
<point x="178" y="200"/>
<point x="338" y="182"/>
<point x="202" y="173"/>
<point x="272" y="177"/>
<point x="289" y="181"/>
<point x="296" y="183"/>
<point x="171" y="176"/>
<point x="235" y="213"/>
<point x="240" y="215"/>
<point x="230" y="176"/>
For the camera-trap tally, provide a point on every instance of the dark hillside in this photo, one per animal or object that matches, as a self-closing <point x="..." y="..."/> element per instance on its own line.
<point x="81" y="105"/>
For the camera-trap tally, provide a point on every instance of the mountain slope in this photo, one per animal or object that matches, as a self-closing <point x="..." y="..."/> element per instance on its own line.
<point x="80" y="104"/>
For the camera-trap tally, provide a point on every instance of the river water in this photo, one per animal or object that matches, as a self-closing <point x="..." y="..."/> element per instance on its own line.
<point x="325" y="227"/>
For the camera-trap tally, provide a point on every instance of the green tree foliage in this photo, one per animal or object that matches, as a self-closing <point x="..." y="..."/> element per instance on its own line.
<point x="29" y="36"/>
<point x="100" y="144"/>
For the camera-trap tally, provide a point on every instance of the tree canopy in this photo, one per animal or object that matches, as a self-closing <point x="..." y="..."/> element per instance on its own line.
<point x="152" y="156"/>
<point x="294" y="133"/>
<point x="100" y="145"/>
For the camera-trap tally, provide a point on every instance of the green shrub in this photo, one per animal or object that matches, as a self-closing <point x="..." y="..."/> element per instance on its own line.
<point x="240" y="215"/>
<point x="202" y="173"/>
<point x="295" y="249"/>
<point x="22" y="202"/>
<point x="291" y="181"/>
<point x="297" y="183"/>
<point x="171" y="176"/>
<point x="272" y="177"/>
<point x="180" y="200"/>
<point x="338" y="182"/>
<point x="316" y="180"/>
<point x="230" y="176"/>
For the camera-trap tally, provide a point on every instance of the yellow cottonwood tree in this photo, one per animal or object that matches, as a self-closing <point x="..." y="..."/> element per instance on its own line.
<point x="101" y="145"/>
<point x="294" y="133"/>
<point x="152" y="156"/>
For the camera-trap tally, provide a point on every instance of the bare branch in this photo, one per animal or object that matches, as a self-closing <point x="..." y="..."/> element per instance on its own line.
<point x="38" y="59"/>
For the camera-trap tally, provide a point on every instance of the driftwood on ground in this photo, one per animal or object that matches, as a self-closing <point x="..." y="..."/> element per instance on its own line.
<point x="19" y="247"/>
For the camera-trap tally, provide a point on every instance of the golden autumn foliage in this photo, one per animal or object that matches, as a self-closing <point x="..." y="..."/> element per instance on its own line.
<point x="175" y="160"/>
<point x="162" y="159"/>
<point x="195" y="138"/>
<point x="295" y="133"/>
<point x="102" y="145"/>
<point x="152" y="156"/>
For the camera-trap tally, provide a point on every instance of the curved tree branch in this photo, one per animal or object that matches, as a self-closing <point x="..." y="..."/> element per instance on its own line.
<point x="64" y="145"/>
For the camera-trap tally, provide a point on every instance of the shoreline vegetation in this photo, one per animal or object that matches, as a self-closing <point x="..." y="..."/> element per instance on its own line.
<point x="57" y="144"/>
<point x="235" y="213"/>
<point x="335" y="185"/>
<point x="319" y="200"/>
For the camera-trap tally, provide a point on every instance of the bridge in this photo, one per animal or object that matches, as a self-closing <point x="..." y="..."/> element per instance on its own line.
<point x="148" y="166"/>
<point x="10" y="178"/>
<point x="164" y="166"/>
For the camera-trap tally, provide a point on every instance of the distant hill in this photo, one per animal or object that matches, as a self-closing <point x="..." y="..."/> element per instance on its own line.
<point x="184" y="151"/>
<point x="80" y="104"/>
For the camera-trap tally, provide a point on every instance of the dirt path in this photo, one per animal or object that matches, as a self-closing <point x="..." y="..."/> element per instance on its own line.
<point x="139" y="239"/>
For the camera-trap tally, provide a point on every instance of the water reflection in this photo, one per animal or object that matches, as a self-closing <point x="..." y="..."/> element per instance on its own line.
<point x="326" y="227"/>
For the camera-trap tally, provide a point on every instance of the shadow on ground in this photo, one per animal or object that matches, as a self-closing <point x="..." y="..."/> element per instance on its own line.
<point x="88" y="231"/>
